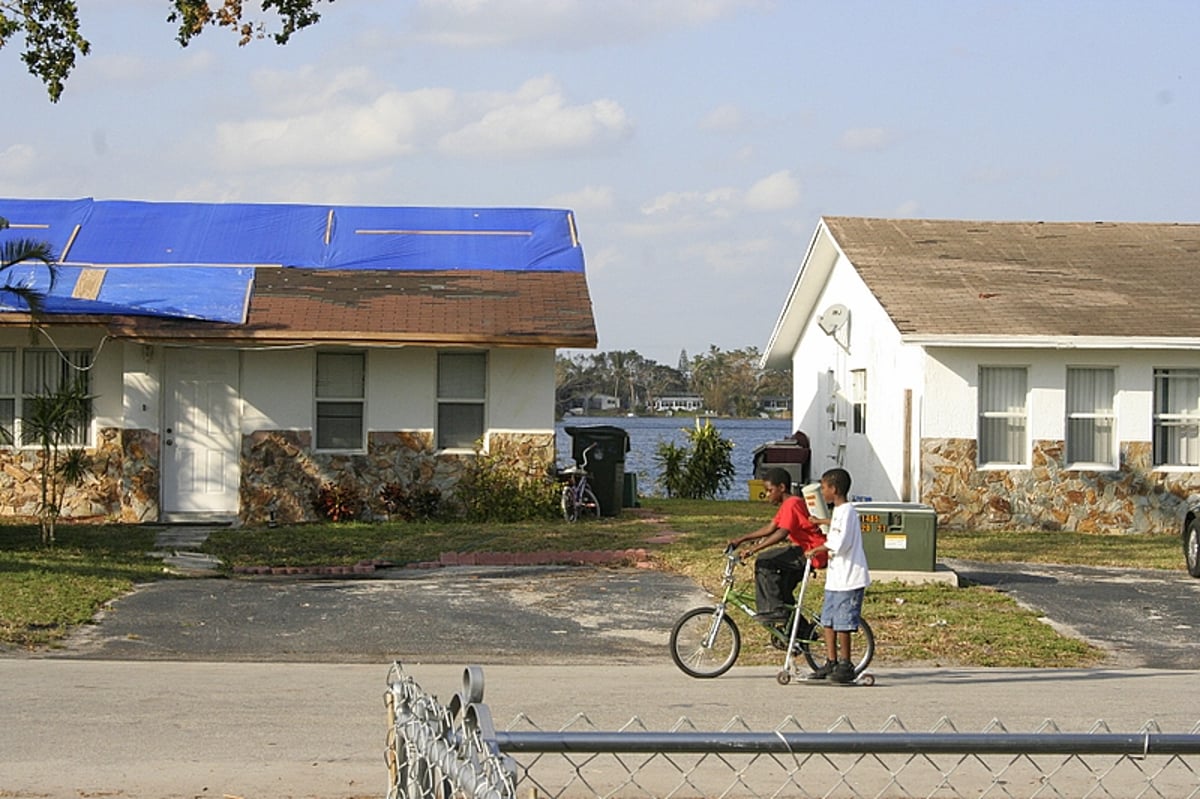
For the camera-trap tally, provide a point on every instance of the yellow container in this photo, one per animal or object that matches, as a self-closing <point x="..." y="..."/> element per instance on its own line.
<point x="758" y="490"/>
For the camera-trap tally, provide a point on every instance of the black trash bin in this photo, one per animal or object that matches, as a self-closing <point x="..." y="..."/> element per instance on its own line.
<point x="605" y="463"/>
<point x="791" y="454"/>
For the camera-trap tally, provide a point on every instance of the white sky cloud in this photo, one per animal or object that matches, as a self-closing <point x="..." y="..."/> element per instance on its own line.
<point x="727" y="118"/>
<point x="589" y="198"/>
<point x="17" y="160"/>
<point x="856" y="139"/>
<point x="774" y="192"/>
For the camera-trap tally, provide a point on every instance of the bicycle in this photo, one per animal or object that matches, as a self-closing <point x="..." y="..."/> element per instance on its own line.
<point x="706" y="642"/>
<point x="578" y="499"/>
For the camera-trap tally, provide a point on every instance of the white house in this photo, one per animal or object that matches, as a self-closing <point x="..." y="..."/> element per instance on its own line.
<point x="688" y="403"/>
<point x="242" y="356"/>
<point x="1010" y="374"/>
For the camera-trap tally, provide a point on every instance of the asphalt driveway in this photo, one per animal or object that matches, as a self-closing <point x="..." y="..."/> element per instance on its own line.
<point x="558" y="614"/>
<point x="1143" y="617"/>
<point x="538" y="614"/>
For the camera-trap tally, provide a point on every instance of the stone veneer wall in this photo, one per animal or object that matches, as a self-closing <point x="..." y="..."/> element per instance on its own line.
<point x="121" y="484"/>
<point x="1047" y="496"/>
<point x="281" y="475"/>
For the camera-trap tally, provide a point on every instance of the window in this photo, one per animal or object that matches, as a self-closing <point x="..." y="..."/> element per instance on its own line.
<point x="1090" y="417"/>
<point x="341" y="381"/>
<point x="1177" y="417"/>
<point x="462" y="394"/>
<point x="45" y="372"/>
<point x="1002" y="415"/>
<point x="858" y="400"/>
<point x="8" y="395"/>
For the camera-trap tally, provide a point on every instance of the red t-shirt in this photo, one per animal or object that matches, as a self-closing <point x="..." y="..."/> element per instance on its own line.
<point x="793" y="517"/>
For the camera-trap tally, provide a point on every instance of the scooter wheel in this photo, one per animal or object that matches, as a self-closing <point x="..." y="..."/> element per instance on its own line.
<point x="867" y="679"/>
<point x="784" y="677"/>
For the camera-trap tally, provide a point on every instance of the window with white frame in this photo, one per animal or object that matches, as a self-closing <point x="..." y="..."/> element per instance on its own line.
<point x="341" y="400"/>
<point x="858" y="400"/>
<point x="1002" y="415"/>
<point x="42" y="372"/>
<point x="462" y="397"/>
<point x="1090" y="417"/>
<point x="1177" y="417"/>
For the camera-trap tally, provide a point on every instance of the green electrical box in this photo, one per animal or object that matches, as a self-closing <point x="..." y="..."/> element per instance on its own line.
<point x="898" y="536"/>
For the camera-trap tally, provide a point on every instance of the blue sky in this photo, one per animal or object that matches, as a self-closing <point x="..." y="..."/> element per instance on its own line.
<point x="698" y="141"/>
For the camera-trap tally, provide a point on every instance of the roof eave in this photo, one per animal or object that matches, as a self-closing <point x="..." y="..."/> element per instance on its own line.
<point x="1008" y="341"/>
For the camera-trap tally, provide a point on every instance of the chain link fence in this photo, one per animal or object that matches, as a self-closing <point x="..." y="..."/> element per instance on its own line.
<point x="455" y="751"/>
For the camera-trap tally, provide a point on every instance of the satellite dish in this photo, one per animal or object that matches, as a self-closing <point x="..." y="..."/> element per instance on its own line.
<point x="834" y="319"/>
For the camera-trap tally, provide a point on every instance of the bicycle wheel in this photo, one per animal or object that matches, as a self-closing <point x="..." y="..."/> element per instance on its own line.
<point x="586" y="505"/>
<point x="569" y="508"/>
<point x="690" y="648"/>
<point x="862" y="647"/>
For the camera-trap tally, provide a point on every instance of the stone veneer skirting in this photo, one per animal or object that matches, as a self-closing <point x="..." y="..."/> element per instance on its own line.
<point x="121" y="485"/>
<point x="1047" y="496"/>
<point x="280" y="474"/>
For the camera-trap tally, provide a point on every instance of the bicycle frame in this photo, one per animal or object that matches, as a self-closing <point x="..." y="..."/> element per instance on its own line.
<point x="745" y="602"/>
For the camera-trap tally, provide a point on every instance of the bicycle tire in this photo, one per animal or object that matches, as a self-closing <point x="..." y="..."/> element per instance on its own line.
<point x="861" y="642"/>
<point x="569" y="508"/>
<point x="688" y="648"/>
<point x="587" y="505"/>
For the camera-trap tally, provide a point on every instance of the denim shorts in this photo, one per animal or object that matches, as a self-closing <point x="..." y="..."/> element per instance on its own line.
<point x="841" y="610"/>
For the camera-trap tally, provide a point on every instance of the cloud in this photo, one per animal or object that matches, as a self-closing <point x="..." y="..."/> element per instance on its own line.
<point x="726" y="118"/>
<point x="537" y="120"/>
<point x="17" y="160"/>
<point x="561" y="24"/>
<point x="774" y="192"/>
<point x="858" y="139"/>
<point x="352" y="121"/>
<point x="589" y="198"/>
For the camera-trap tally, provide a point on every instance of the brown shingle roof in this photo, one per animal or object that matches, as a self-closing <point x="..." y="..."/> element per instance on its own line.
<point x="947" y="277"/>
<point x="494" y="308"/>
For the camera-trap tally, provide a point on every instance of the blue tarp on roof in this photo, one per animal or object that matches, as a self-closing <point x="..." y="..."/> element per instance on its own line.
<point x="197" y="260"/>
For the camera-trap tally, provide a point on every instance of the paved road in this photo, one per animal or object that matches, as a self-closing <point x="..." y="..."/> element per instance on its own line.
<point x="162" y="699"/>
<point x="1143" y="617"/>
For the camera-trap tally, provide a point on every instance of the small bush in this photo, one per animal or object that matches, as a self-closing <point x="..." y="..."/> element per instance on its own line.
<point x="701" y="471"/>
<point x="410" y="503"/>
<point x="340" y="502"/>
<point x="496" y="488"/>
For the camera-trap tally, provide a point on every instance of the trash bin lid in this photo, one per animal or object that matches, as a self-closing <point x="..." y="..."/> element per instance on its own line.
<point x="598" y="432"/>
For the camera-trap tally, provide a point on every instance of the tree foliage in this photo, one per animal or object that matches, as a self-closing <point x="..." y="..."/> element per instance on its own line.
<point x="729" y="382"/>
<point x="19" y="251"/>
<point x="50" y="28"/>
<point x="702" y="469"/>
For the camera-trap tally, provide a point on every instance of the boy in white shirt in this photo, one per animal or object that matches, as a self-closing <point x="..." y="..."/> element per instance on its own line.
<point x="846" y="577"/>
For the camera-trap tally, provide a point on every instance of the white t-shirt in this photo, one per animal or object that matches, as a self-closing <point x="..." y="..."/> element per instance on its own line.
<point x="847" y="561"/>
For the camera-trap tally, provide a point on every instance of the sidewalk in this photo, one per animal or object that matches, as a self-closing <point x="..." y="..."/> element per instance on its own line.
<point x="151" y="730"/>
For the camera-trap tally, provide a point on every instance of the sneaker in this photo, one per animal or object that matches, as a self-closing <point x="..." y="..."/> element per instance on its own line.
<point x="843" y="672"/>
<point x="823" y="671"/>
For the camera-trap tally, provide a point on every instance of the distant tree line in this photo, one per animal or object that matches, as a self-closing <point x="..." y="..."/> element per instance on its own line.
<point x="726" y="383"/>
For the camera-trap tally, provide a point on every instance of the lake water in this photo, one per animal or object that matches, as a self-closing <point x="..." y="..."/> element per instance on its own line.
<point x="646" y="432"/>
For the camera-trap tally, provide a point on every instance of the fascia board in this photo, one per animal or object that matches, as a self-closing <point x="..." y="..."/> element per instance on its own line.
<point x="819" y="259"/>
<point x="1054" y="342"/>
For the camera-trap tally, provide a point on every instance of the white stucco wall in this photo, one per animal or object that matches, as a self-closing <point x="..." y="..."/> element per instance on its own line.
<point x="822" y="366"/>
<point x="521" y="390"/>
<point x="952" y="383"/>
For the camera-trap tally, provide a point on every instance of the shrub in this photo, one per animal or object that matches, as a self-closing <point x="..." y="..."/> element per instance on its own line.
<point x="410" y="503"/>
<point x="339" y="502"/>
<point x="497" y="488"/>
<point x="699" y="471"/>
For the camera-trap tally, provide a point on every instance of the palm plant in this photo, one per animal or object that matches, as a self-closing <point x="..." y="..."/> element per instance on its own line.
<point x="53" y="419"/>
<point x="19" y="251"/>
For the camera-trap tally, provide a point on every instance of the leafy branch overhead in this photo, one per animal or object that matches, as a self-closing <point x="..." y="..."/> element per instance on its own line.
<point x="51" y="30"/>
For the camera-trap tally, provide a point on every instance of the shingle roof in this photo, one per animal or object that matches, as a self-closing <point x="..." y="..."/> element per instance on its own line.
<point x="949" y="277"/>
<point x="470" y="308"/>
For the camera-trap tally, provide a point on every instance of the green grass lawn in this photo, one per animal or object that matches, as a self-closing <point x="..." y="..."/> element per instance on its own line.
<point x="45" y="592"/>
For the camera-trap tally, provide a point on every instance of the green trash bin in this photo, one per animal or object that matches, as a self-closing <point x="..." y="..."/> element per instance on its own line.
<point x="606" y="463"/>
<point x="898" y="536"/>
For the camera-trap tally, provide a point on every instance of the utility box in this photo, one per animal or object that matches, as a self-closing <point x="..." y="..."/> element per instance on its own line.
<point x="898" y="536"/>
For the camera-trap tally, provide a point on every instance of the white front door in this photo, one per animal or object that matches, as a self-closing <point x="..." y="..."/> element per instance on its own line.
<point x="201" y="433"/>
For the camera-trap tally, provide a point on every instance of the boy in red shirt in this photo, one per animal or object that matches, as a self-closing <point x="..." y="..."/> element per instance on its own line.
<point x="777" y="573"/>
